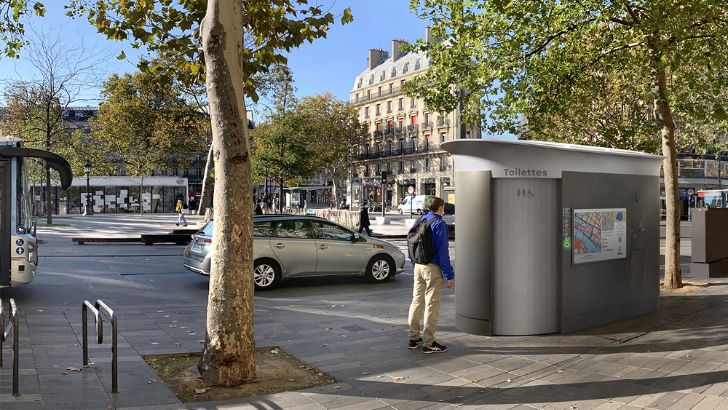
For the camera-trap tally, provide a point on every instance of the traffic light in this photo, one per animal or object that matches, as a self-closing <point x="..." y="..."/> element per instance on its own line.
<point x="384" y="177"/>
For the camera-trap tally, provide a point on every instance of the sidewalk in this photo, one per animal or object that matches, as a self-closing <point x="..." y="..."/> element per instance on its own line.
<point x="673" y="358"/>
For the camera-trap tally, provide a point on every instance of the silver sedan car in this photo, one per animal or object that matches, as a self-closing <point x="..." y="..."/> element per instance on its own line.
<point x="303" y="246"/>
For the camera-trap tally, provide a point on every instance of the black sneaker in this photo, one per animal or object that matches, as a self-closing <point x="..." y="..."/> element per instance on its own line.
<point x="414" y="344"/>
<point x="435" y="348"/>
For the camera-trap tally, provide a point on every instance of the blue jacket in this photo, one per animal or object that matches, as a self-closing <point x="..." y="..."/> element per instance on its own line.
<point x="440" y="243"/>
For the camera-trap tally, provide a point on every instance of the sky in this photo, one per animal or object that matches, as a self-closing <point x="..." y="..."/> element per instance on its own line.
<point x="326" y="65"/>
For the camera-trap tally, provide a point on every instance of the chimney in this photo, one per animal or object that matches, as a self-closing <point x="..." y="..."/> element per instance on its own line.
<point x="397" y="49"/>
<point x="428" y="35"/>
<point x="376" y="57"/>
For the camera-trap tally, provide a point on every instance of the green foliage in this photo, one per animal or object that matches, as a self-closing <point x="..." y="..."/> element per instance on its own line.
<point x="143" y="126"/>
<point x="169" y="28"/>
<point x="331" y="127"/>
<point x="281" y="150"/>
<point x="12" y="29"/>
<point x="577" y="71"/>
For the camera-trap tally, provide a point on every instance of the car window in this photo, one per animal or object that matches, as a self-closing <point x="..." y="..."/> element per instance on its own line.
<point x="262" y="229"/>
<point x="326" y="230"/>
<point x="207" y="230"/>
<point x="293" y="228"/>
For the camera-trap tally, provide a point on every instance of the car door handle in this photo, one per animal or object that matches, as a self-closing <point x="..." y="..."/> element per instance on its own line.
<point x="279" y="246"/>
<point x="323" y="247"/>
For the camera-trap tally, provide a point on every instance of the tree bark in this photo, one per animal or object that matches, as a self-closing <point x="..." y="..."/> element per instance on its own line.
<point x="49" y="201"/>
<point x="141" y="197"/>
<point x="228" y="355"/>
<point x="664" y="119"/>
<point x="206" y="193"/>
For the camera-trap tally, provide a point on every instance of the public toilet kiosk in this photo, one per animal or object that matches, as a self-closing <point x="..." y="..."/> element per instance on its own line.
<point x="553" y="237"/>
<point x="18" y="242"/>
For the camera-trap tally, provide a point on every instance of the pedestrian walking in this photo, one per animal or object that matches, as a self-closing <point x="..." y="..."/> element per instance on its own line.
<point x="428" y="248"/>
<point x="180" y="209"/>
<point x="364" y="220"/>
<point x="258" y="208"/>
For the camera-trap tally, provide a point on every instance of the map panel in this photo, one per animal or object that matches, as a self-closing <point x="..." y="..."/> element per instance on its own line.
<point x="599" y="234"/>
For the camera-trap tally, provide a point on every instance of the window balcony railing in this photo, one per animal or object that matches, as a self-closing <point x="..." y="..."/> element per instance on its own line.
<point x="396" y="151"/>
<point x="427" y="125"/>
<point x="413" y="128"/>
<point x="443" y="122"/>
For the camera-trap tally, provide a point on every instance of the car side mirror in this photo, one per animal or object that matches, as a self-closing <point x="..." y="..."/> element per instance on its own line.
<point x="355" y="237"/>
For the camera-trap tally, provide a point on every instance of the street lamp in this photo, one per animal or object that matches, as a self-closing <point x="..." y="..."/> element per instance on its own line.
<point x="87" y="170"/>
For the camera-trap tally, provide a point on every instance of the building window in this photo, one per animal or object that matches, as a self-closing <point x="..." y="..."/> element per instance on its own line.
<point x="356" y="97"/>
<point x="401" y="124"/>
<point x="389" y="167"/>
<point x="427" y="117"/>
<point x="389" y="107"/>
<point x="371" y="79"/>
<point x="427" y="164"/>
<point x="401" y="166"/>
<point x="366" y="172"/>
<point x="358" y="84"/>
<point x="443" y="164"/>
<point x="379" y="91"/>
<point x="394" y="72"/>
<point x="413" y="103"/>
<point x="413" y="120"/>
<point x="405" y="68"/>
<point x="379" y="168"/>
<point x="377" y="111"/>
<point x="381" y="76"/>
<point x="369" y="94"/>
<point x="417" y="64"/>
<point x="413" y="168"/>
<point x="379" y="126"/>
<point x="366" y="112"/>
<point x="401" y="104"/>
<point x="442" y="138"/>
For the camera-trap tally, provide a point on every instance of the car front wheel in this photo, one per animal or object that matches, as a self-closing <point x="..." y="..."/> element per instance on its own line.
<point x="380" y="268"/>
<point x="266" y="274"/>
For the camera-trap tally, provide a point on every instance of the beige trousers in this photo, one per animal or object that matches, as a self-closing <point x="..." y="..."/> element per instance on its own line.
<point x="425" y="299"/>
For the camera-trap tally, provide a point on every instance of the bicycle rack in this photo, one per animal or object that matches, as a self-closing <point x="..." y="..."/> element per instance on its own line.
<point x="4" y="335"/>
<point x="96" y="309"/>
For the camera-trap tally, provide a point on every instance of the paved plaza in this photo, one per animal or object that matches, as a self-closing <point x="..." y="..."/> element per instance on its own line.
<point x="356" y="331"/>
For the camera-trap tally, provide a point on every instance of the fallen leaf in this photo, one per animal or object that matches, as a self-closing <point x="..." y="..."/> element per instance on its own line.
<point x="275" y="351"/>
<point x="202" y="391"/>
<point x="399" y="378"/>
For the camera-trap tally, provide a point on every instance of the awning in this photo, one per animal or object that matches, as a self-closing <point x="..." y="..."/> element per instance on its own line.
<point x="55" y="161"/>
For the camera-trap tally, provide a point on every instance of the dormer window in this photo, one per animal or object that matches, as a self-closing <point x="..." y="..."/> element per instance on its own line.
<point x="358" y="85"/>
<point x="394" y="72"/>
<point x="371" y="79"/>
<point x="381" y="77"/>
<point x="405" y="68"/>
<point x="417" y="64"/>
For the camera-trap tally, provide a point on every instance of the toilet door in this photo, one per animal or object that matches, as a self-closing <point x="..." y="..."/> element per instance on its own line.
<point x="526" y="250"/>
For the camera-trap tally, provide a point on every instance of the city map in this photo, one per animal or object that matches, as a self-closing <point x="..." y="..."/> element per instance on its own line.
<point x="599" y="234"/>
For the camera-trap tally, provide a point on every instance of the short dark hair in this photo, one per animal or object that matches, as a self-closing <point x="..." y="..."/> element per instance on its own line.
<point x="435" y="203"/>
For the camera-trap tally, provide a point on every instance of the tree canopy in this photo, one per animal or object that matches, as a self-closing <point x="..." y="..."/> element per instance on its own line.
<point x="144" y="125"/>
<point x="524" y="66"/>
<point x="169" y="28"/>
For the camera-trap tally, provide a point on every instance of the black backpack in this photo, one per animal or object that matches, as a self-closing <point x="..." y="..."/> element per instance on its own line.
<point x="419" y="242"/>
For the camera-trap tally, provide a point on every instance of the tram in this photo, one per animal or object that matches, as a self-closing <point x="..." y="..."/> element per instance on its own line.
<point x="18" y="241"/>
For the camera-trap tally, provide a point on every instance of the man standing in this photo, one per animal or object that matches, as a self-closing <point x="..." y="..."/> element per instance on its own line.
<point x="428" y="281"/>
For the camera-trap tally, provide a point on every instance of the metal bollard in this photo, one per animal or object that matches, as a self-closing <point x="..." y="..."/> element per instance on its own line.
<point x="96" y="308"/>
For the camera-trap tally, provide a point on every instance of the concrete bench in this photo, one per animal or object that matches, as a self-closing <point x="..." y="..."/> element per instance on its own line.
<point x="83" y="240"/>
<point x="177" y="239"/>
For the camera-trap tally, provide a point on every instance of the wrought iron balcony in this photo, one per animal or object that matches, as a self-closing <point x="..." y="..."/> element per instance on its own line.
<point x="413" y="128"/>
<point x="427" y="125"/>
<point x="443" y="122"/>
<point x="395" y="151"/>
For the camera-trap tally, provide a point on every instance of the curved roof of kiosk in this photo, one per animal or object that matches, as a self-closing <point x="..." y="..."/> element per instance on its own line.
<point x="541" y="159"/>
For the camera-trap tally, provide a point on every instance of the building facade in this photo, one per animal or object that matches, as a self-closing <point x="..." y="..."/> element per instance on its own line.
<point x="403" y="136"/>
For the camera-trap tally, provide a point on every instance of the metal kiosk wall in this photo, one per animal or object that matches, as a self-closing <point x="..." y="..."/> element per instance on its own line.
<point x="556" y="238"/>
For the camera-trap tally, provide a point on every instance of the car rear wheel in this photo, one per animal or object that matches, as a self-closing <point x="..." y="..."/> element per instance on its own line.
<point x="380" y="268"/>
<point x="266" y="274"/>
